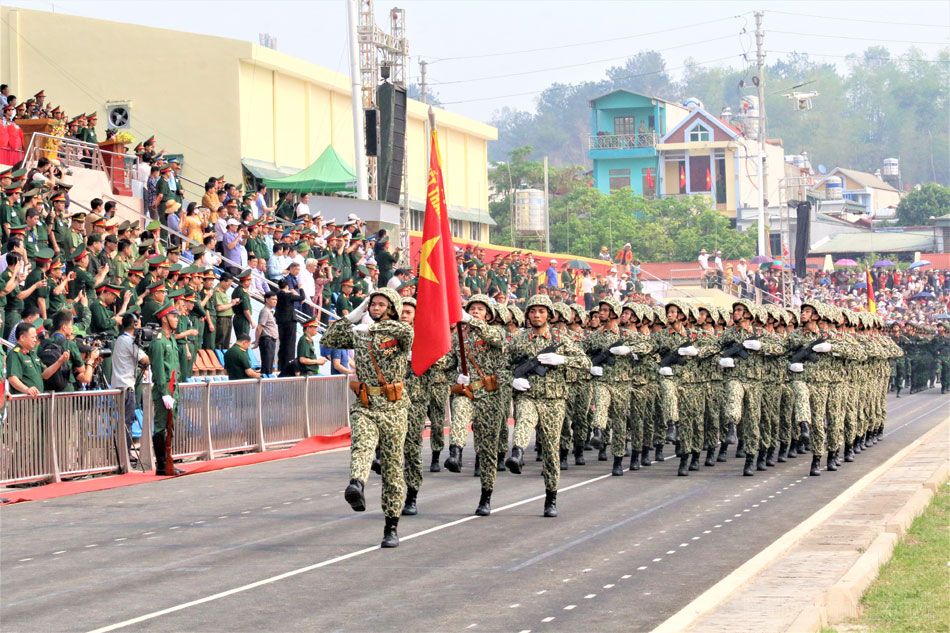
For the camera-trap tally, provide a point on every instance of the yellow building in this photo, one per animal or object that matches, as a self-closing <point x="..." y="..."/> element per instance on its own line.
<point x="228" y="106"/>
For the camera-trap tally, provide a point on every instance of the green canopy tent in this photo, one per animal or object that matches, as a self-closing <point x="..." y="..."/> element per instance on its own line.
<point x="328" y="174"/>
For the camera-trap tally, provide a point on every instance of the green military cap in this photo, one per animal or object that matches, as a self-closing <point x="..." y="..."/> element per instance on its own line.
<point x="17" y="228"/>
<point x="198" y="250"/>
<point x="174" y="268"/>
<point x="156" y="261"/>
<point x="408" y="284"/>
<point x="174" y="294"/>
<point x="167" y="308"/>
<point x="303" y="247"/>
<point x="93" y="238"/>
<point x="146" y="243"/>
<point x="132" y="309"/>
<point x="153" y="225"/>
<point x="137" y="269"/>
<point x="363" y="270"/>
<point x="357" y="236"/>
<point x="156" y="285"/>
<point x="244" y="274"/>
<point x="175" y="249"/>
<point x="77" y="253"/>
<point x="19" y="173"/>
<point x="124" y="225"/>
<point x="45" y="254"/>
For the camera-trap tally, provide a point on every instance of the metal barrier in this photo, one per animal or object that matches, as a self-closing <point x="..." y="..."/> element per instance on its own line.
<point x="75" y="153"/>
<point x="51" y="436"/>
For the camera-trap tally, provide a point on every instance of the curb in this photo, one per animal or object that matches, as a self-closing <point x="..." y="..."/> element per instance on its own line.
<point x="814" y="617"/>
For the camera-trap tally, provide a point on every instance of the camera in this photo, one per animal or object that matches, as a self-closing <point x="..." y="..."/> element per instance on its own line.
<point x="143" y="336"/>
<point x="93" y="341"/>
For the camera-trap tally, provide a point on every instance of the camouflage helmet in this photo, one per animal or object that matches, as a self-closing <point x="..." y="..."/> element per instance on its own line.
<point x="501" y="310"/>
<point x="543" y="301"/>
<point x="774" y="312"/>
<point x="517" y="315"/>
<point x="712" y="310"/>
<point x="579" y="310"/>
<point x="486" y="301"/>
<point x="817" y="306"/>
<point x="636" y="308"/>
<point x="681" y="305"/>
<point x="659" y="312"/>
<point x="614" y="305"/>
<point x="745" y="303"/>
<point x="793" y="316"/>
<point x="563" y="311"/>
<point x="409" y="301"/>
<point x="394" y="299"/>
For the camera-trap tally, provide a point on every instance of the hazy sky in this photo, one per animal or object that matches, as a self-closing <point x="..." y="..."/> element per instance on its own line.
<point x="579" y="39"/>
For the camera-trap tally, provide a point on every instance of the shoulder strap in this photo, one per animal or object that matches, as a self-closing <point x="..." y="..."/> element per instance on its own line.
<point x="379" y="374"/>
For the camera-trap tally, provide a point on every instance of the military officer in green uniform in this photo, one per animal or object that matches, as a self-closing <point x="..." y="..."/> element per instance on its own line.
<point x="307" y="353"/>
<point x="163" y="359"/>
<point x="153" y="302"/>
<point x="344" y="302"/>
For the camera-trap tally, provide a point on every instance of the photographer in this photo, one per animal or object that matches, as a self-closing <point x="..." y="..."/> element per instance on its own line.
<point x="25" y="372"/>
<point x="127" y="356"/>
<point x="59" y="343"/>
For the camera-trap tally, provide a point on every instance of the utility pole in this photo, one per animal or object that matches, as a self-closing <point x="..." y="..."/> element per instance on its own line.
<point x="422" y="80"/>
<point x="547" y="214"/>
<point x="356" y="99"/>
<point x="761" y="167"/>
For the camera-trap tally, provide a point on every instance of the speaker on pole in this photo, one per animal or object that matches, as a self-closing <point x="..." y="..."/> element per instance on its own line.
<point x="392" y="141"/>
<point x="372" y="132"/>
<point x="802" y="237"/>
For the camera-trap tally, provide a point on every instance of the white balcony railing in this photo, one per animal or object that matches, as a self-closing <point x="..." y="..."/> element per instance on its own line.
<point x="623" y="141"/>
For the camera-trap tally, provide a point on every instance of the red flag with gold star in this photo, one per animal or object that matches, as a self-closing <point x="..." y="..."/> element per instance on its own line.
<point x="438" y="301"/>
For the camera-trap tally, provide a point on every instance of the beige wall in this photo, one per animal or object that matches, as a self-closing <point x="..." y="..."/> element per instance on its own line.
<point x="217" y="100"/>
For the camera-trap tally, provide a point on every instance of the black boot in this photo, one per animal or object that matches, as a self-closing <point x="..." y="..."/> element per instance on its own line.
<point x="454" y="463"/>
<point x="563" y="454"/>
<point x="484" y="504"/>
<point x="354" y="495"/>
<point x="723" y="450"/>
<point x="831" y="464"/>
<point x="731" y="435"/>
<point x="740" y="450"/>
<point x="635" y="460"/>
<point x="770" y="456"/>
<point x="478" y="467"/>
<point x="782" y="452"/>
<point x="618" y="467"/>
<point x="803" y="431"/>
<point x="409" y="508"/>
<point x="848" y="452"/>
<point x="858" y="445"/>
<point x="500" y="466"/>
<point x="513" y="463"/>
<point x="693" y="460"/>
<point x="670" y="431"/>
<point x="677" y="449"/>
<point x="645" y="456"/>
<point x="587" y="445"/>
<point x="710" y="457"/>
<point x="658" y="453"/>
<point x="390" y="537"/>
<point x="550" y="503"/>
<point x="760" y="460"/>
<point x="815" y="466"/>
<point x="792" y="451"/>
<point x="461" y="450"/>
<point x="838" y="457"/>
<point x="749" y="469"/>
<point x="602" y="454"/>
<point x="579" y="455"/>
<point x="158" y="445"/>
<point x="597" y="438"/>
<point x="434" y="467"/>
<point x="682" y="471"/>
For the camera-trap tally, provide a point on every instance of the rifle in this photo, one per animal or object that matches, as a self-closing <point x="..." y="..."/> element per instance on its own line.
<point x="169" y="431"/>
<point x="807" y="352"/>
<point x="670" y="357"/>
<point x="602" y="358"/>
<point x="531" y="364"/>
<point x="736" y="349"/>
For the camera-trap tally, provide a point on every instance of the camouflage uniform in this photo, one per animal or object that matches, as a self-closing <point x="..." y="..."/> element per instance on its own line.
<point x="643" y="391"/>
<point x="383" y="422"/>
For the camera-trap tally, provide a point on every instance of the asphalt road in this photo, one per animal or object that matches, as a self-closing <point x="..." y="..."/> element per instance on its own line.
<point x="274" y="547"/>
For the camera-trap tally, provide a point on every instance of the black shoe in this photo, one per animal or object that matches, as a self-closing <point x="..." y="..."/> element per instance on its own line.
<point x="550" y="503"/>
<point x="683" y="470"/>
<point x="782" y="452"/>
<point x="563" y="453"/>
<point x="478" y="467"/>
<point x="579" y="455"/>
<point x="658" y="453"/>
<point x="670" y="431"/>
<point x="645" y="456"/>
<point x="849" y="452"/>
<point x="501" y="462"/>
<point x="858" y="445"/>
<point x="409" y="508"/>
<point x="635" y="461"/>
<point x="749" y="469"/>
<point x="587" y="445"/>
<point x="597" y="439"/>
<point x="740" y="450"/>
<point x="602" y="454"/>
<point x="838" y="457"/>
<point x="815" y="466"/>
<point x="792" y="449"/>
<point x="710" y="457"/>
<point x="693" y="460"/>
<point x="677" y="450"/>
<point x="354" y="495"/>
<point x="723" y="450"/>
<point x="803" y="431"/>
<point x="513" y="463"/>
<point x="760" y="460"/>
<point x="390" y="537"/>
<point x="376" y="467"/>
<point x="831" y="464"/>
<point x="484" y="504"/>
<point x="731" y="435"/>
<point x="618" y="467"/>
<point x="770" y="456"/>
<point x="434" y="467"/>
<point x="454" y="463"/>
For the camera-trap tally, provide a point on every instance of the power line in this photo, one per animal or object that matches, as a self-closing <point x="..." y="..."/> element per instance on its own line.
<point x="848" y="37"/>
<point x="850" y="19"/>
<point x="597" y="61"/>
<point x="588" y="43"/>
<point x="872" y="59"/>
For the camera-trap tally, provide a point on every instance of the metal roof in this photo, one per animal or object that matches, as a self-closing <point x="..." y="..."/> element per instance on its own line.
<point x="877" y="242"/>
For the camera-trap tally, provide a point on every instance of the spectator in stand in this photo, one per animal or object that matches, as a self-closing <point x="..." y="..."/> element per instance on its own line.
<point x="635" y="277"/>
<point x="624" y="258"/>
<point x="25" y="372"/>
<point x="385" y="260"/>
<point x="234" y="240"/>
<point x="303" y="206"/>
<point x="151" y="192"/>
<point x="287" y="298"/>
<point x="4" y="94"/>
<point x="237" y="362"/>
<point x="210" y="198"/>
<point x="307" y="355"/>
<point x="278" y="263"/>
<point x="224" y="311"/>
<point x="587" y="290"/>
<point x="718" y="268"/>
<point x="191" y="224"/>
<point x="260" y="204"/>
<point x="550" y="275"/>
<point x="604" y="254"/>
<point x="265" y="338"/>
<point x="400" y="277"/>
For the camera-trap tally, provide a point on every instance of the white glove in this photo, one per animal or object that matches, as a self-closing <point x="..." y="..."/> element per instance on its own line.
<point x="169" y="402"/>
<point x="796" y="367"/>
<point x="551" y="359"/>
<point x="520" y="384"/>
<point x="362" y="328"/>
<point x="634" y="357"/>
<point x="463" y="380"/>
<point x="689" y="350"/>
<point x="727" y="362"/>
<point x="597" y="371"/>
<point x="822" y="348"/>
<point x="620" y="350"/>
<point x="466" y="317"/>
<point x="666" y="371"/>
<point x="409" y="357"/>
<point x="356" y="315"/>
<point x="752" y="344"/>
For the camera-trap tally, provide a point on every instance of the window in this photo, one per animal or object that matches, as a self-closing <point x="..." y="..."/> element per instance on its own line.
<point x="475" y="231"/>
<point x="619" y="178"/>
<point x="775" y="243"/>
<point x="625" y="125"/>
<point x="648" y="182"/>
<point x="699" y="134"/>
<point x="455" y="228"/>
<point x="700" y="175"/>
<point x="416" y="220"/>
<point x="651" y="123"/>
<point x="720" y="180"/>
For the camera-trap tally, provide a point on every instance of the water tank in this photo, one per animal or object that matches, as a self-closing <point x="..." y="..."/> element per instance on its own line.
<point x="891" y="167"/>
<point x="833" y="188"/>
<point x="749" y="105"/>
<point x="799" y="161"/>
<point x="529" y="210"/>
<point x="692" y="103"/>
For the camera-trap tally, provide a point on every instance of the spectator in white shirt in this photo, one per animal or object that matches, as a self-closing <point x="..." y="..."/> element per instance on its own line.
<point x="305" y="278"/>
<point x="303" y="207"/>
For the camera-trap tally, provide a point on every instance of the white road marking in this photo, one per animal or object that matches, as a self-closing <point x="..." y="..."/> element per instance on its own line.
<point x="514" y="606"/>
<point x="174" y="527"/>
<point x="657" y="560"/>
<point x="121" y="538"/>
<point x="570" y="607"/>
<point x="608" y="586"/>
<point x="671" y="551"/>
<point x="641" y="568"/>
<point x="93" y="545"/>
<point x="23" y="560"/>
<point x="548" y="619"/>
<point x="538" y="593"/>
<point x="590" y="595"/>
<point x="147" y="533"/>
<point x="625" y="576"/>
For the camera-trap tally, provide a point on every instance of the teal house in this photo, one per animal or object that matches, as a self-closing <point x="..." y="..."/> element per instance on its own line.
<point x="625" y="128"/>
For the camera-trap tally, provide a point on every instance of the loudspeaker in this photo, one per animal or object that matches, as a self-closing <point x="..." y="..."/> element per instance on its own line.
<point x="372" y="132"/>
<point x="802" y="237"/>
<point x="392" y="141"/>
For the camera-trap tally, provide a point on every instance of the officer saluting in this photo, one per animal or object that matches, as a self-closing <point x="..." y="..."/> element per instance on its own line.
<point x="163" y="359"/>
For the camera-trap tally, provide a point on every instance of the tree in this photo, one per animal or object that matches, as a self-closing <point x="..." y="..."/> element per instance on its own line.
<point x="917" y="207"/>
<point x="432" y="97"/>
